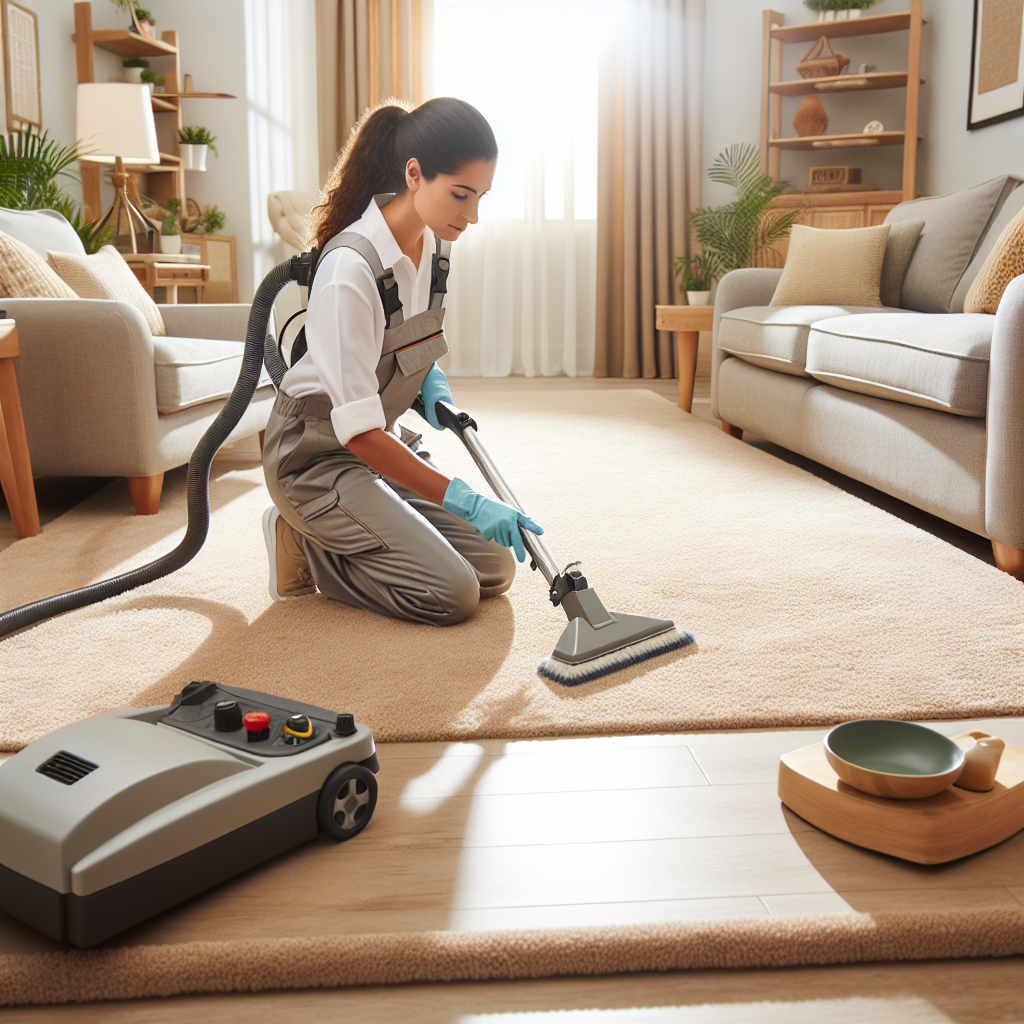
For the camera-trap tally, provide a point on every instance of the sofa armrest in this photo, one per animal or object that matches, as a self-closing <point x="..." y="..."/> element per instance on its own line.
<point x="221" y="321"/>
<point x="87" y="383"/>
<point x="1004" y="471"/>
<point x="754" y="286"/>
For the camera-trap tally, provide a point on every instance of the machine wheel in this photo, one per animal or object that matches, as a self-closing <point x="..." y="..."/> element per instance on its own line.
<point x="346" y="801"/>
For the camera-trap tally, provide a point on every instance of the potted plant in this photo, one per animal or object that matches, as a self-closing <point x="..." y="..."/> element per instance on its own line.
<point x="193" y="141"/>
<point x="170" y="239"/>
<point x="146" y="21"/>
<point x="830" y="10"/>
<point x="211" y="220"/>
<point x="141" y="20"/>
<point x="134" y="69"/>
<point x="153" y="80"/>
<point x="698" y="273"/>
<point x="741" y="233"/>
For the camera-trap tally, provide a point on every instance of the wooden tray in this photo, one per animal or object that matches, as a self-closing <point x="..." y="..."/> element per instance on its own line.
<point x="940" y="828"/>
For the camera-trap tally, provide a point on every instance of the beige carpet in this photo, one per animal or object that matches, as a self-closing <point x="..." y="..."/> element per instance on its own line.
<point x="140" y="971"/>
<point x="809" y="606"/>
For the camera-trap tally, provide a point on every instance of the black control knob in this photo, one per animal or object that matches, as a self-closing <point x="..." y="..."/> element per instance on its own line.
<point x="346" y="725"/>
<point x="227" y="716"/>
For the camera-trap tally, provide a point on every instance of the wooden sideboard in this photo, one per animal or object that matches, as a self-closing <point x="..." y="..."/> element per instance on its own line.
<point x="831" y="210"/>
<point x="218" y="253"/>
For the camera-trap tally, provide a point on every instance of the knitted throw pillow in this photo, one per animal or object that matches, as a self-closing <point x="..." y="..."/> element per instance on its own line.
<point x="25" y="275"/>
<point x="832" y="267"/>
<point x="1004" y="263"/>
<point x="105" y="275"/>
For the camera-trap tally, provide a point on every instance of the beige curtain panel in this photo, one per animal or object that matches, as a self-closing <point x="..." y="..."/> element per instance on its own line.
<point x="367" y="50"/>
<point x="649" y="178"/>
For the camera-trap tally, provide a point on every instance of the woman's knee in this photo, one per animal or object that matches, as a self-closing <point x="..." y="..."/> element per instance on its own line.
<point x="462" y="594"/>
<point x="498" y="574"/>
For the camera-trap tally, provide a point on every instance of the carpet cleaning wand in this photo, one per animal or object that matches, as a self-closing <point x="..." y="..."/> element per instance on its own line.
<point x="596" y="641"/>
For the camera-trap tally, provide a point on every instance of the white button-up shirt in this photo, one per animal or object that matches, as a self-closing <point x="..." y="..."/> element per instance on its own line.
<point x="345" y="325"/>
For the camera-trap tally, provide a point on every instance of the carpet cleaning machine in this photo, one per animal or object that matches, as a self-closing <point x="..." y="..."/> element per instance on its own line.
<point x="124" y="814"/>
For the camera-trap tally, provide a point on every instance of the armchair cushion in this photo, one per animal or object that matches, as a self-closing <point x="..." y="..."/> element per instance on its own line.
<point x="775" y="337"/>
<point x="105" y="275"/>
<point x="934" y="360"/>
<point x="41" y="230"/>
<point x="191" y="371"/>
<point x="24" y="275"/>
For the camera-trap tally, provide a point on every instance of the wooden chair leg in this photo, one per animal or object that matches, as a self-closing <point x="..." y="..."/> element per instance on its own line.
<point x="145" y="491"/>
<point x="1010" y="560"/>
<point x="732" y="431"/>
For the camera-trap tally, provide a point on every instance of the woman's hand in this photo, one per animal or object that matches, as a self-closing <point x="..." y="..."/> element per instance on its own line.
<point x="494" y="519"/>
<point x="389" y="457"/>
<point x="435" y="389"/>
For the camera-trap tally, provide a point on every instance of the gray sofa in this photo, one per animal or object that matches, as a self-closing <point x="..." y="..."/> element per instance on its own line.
<point x="924" y="402"/>
<point x="101" y="395"/>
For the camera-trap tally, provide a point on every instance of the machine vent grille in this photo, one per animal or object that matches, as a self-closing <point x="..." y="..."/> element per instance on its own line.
<point x="67" y="768"/>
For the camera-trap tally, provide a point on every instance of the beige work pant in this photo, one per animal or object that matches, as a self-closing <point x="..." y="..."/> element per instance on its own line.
<point x="369" y="542"/>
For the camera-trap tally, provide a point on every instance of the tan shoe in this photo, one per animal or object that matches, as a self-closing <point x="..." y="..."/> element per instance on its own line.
<point x="290" y="575"/>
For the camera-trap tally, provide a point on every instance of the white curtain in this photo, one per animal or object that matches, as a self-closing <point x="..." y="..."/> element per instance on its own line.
<point x="522" y="291"/>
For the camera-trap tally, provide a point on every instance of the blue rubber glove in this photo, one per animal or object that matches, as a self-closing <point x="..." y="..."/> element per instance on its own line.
<point x="435" y="389"/>
<point x="494" y="519"/>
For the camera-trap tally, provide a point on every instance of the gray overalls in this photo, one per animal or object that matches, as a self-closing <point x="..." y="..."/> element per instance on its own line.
<point x="370" y="542"/>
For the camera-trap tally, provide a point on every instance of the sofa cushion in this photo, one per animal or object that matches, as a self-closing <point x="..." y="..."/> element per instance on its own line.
<point x="1004" y="216"/>
<point x="775" y="337"/>
<point x="190" y="371"/>
<point x="23" y="275"/>
<point x="829" y="267"/>
<point x="954" y="226"/>
<point x="899" y="250"/>
<point x="41" y="230"/>
<point x="935" y="360"/>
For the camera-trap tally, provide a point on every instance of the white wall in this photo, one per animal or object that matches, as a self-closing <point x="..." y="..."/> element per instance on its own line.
<point x="949" y="158"/>
<point x="263" y="52"/>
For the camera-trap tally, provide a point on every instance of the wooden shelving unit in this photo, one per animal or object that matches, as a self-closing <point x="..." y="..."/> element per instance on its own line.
<point x="164" y="180"/>
<point x="775" y="34"/>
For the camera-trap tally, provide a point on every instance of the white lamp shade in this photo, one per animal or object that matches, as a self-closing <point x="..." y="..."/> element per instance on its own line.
<point x="115" y="119"/>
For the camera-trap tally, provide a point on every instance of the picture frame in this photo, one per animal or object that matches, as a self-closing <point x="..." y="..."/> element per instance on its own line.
<point x="997" y="63"/>
<point x="22" y="81"/>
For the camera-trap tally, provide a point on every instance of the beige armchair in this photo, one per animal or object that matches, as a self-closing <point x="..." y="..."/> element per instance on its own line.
<point x="102" y="396"/>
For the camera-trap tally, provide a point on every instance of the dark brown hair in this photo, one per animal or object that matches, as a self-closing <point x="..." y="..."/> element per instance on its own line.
<point x="443" y="134"/>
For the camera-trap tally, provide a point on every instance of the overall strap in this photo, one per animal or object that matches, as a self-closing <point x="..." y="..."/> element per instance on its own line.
<point x="386" y="283"/>
<point x="440" y="264"/>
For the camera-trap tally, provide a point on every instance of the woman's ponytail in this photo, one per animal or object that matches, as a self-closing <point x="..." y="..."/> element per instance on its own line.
<point x="366" y="167"/>
<point x="443" y="134"/>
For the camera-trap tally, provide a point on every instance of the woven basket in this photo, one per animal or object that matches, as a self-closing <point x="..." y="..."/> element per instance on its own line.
<point x="816" y="63"/>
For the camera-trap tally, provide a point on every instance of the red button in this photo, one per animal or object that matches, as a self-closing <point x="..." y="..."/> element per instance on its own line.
<point x="256" y="721"/>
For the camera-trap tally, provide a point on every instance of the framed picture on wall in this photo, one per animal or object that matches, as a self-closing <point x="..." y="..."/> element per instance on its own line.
<point x="997" y="63"/>
<point x="21" y="66"/>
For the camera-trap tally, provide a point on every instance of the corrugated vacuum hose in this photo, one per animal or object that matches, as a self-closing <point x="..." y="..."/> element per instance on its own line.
<point x="198" y="481"/>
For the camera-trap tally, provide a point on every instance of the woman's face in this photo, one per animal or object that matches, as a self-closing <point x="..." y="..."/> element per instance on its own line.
<point x="451" y="201"/>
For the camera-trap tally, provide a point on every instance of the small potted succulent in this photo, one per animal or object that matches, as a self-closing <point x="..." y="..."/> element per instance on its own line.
<point x="134" y="68"/>
<point x="193" y="141"/>
<point x="146" y="21"/>
<point x="141" y="20"/>
<point x="153" y="80"/>
<point x="698" y="273"/>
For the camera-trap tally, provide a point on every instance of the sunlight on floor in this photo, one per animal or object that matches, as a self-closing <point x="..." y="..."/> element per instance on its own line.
<point x="445" y="778"/>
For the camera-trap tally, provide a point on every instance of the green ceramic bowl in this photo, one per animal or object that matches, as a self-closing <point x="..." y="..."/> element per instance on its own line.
<point x="900" y="760"/>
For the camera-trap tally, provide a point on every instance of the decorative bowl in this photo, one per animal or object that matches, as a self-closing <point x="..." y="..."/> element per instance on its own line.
<point x="888" y="758"/>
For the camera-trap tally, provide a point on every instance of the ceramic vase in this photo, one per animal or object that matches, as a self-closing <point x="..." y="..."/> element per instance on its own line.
<point x="981" y="761"/>
<point x="810" y="117"/>
<point x="170" y="245"/>
<point x="133" y="75"/>
<point x="193" y="158"/>
<point x="698" y="298"/>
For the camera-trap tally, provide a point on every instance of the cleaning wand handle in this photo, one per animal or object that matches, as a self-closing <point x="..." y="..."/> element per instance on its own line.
<point x="464" y="425"/>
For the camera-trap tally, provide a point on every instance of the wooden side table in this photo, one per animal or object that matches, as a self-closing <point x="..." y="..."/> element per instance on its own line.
<point x="156" y="271"/>
<point x="687" y="322"/>
<point x="15" y="467"/>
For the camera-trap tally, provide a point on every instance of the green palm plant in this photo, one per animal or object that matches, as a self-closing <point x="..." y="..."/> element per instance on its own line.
<point x="741" y="233"/>
<point x="31" y="166"/>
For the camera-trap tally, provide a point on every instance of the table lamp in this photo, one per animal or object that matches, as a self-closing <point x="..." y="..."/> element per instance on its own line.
<point x="115" y="125"/>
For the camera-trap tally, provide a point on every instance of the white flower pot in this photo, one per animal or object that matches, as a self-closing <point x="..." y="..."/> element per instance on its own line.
<point x="698" y="298"/>
<point x="133" y="75"/>
<point x="170" y="245"/>
<point x="829" y="16"/>
<point x="854" y="12"/>
<point x="193" y="158"/>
